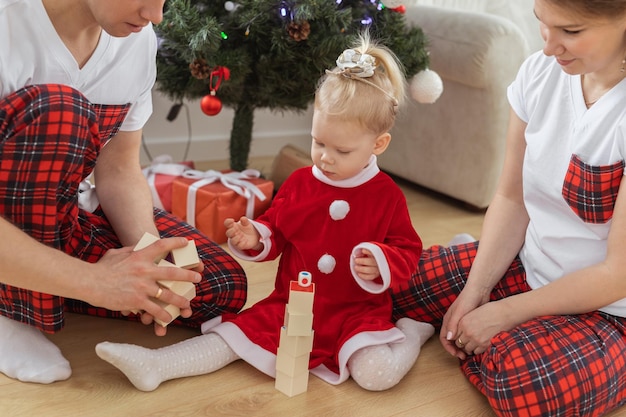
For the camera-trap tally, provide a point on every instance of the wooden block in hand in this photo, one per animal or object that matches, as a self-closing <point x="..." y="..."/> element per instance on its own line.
<point x="186" y="257"/>
<point x="170" y="308"/>
<point x="146" y="240"/>
<point x="183" y="288"/>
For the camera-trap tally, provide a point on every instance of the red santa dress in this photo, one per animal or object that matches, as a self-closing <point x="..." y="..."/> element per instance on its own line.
<point x="319" y="225"/>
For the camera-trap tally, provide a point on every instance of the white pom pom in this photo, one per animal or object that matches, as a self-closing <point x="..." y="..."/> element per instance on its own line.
<point x="339" y="209"/>
<point x="326" y="264"/>
<point x="230" y="6"/>
<point x="392" y="4"/>
<point x="426" y="86"/>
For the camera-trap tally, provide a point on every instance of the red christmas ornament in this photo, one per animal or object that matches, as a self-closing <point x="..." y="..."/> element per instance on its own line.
<point x="400" y="9"/>
<point x="210" y="104"/>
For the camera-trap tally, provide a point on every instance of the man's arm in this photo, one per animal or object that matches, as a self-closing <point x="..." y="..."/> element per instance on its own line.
<point x="122" y="189"/>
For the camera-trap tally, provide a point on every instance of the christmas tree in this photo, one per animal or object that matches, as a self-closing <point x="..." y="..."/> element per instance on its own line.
<point x="253" y="54"/>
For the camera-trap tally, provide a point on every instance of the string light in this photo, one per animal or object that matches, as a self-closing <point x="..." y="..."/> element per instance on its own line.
<point x="284" y="10"/>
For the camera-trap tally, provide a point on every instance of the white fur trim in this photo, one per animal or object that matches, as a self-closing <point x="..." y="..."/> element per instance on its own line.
<point x="265" y="233"/>
<point x="371" y="286"/>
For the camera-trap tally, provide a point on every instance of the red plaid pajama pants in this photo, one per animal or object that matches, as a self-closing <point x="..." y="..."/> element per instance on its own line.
<point x="548" y="366"/>
<point x="50" y="136"/>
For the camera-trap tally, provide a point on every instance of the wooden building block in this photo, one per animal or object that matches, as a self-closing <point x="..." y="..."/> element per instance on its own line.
<point x="185" y="288"/>
<point x="186" y="257"/>
<point x="301" y="293"/>
<point x="295" y="345"/>
<point x="296" y="338"/>
<point x="170" y="308"/>
<point x="165" y="262"/>
<point x="182" y="288"/>
<point x="146" y="240"/>
<point x="292" y="366"/>
<point x="298" y="324"/>
<point x="291" y="386"/>
<point x="301" y="301"/>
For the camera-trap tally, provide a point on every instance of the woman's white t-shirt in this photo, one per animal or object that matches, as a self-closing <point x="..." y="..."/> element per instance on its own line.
<point x="573" y="166"/>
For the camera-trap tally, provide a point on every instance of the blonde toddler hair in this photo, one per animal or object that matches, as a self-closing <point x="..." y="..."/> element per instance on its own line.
<point x="370" y="100"/>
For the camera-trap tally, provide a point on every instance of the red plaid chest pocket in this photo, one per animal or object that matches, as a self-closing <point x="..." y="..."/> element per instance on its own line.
<point x="590" y="191"/>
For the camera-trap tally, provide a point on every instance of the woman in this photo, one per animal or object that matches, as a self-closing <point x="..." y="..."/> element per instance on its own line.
<point x="536" y="312"/>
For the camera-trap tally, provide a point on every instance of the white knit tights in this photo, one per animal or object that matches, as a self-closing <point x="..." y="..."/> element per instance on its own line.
<point x="377" y="368"/>
<point x="147" y="368"/>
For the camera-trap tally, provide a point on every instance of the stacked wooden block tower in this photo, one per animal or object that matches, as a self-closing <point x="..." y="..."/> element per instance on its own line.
<point x="296" y="338"/>
<point x="186" y="257"/>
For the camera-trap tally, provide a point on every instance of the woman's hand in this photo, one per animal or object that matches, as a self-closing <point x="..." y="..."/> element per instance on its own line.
<point x="451" y="336"/>
<point x="474" y="330"/>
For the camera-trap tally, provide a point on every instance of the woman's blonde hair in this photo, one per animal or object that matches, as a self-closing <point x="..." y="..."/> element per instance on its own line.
<point x="371" y="101"/>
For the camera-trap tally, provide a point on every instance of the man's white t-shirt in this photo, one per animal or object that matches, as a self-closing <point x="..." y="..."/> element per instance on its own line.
<point x="570" y="215"/>
<point x="120" y="71"/>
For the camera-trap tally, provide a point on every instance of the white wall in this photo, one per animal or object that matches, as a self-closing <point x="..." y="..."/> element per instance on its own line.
<point x="211" y="134"/>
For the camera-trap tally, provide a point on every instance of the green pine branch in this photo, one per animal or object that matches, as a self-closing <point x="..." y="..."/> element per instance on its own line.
<point x="268" y="67"/>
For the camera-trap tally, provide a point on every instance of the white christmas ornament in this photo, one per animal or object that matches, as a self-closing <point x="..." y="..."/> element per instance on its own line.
<point x="231" y="6"/>
<point x="426" y="86"/>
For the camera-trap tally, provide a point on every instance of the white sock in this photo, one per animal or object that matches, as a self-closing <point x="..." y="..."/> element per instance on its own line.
<point x="27" y="355"/>
<point x="147" y="368"/>
<point x="377" y="368"/>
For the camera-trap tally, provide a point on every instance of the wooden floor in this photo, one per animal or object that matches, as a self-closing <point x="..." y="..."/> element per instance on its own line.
<point x="433" y="388"/>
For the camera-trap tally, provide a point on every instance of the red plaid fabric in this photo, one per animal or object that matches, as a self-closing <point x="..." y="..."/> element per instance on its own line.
<point x="50" y="136"/>
<point x="591" y="191"/>
<point x="223" y="289"/>
<point x="548" y="366"/>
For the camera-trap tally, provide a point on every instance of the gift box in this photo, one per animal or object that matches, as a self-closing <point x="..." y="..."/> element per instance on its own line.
<point x="287" y="161"/>
<point x="206" y="199"/>
<point x="160" y="176"/>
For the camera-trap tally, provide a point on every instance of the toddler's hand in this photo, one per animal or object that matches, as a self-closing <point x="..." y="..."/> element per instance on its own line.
<point x="365" y="266"/>
<point x="242" y="234"/>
